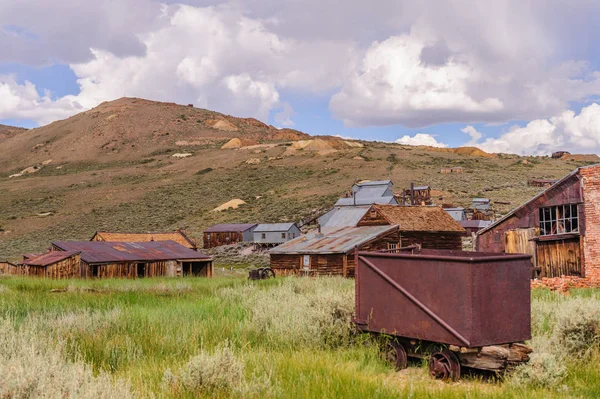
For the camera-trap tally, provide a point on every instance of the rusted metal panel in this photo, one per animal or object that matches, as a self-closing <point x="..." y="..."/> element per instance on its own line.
<point x="469" y="299"/>
<point x="116" y="252"/>
<point x="49" y="258"/>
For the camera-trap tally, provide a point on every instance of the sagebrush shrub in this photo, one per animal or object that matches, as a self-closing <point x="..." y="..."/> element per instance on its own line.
<point x="220" y="370"/>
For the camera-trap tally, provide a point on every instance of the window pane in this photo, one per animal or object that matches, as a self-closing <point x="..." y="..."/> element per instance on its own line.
<point x="575" y="225"/>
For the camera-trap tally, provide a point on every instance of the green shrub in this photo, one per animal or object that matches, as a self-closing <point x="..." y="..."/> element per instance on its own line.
<point x="220" y="370"/>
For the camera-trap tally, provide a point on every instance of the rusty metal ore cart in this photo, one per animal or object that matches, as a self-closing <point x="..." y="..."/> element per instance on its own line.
<point x="459" y="309"/>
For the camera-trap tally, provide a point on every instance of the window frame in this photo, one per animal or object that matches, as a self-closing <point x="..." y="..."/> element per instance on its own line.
<point x="558" y="220"/>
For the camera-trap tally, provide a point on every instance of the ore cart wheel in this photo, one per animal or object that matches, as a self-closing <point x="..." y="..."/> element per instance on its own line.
<point x="395" y="355"/>
<point x="444" y="365"/>
<point x="268" y="273"/>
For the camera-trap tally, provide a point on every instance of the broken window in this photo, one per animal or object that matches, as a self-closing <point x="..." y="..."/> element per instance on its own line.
<point x="283" y="235"/>
<point x="264" y="236"/>
<point x="561" y="219"/>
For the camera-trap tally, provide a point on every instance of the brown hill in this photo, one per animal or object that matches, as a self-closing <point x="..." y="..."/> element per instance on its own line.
<point x="469" y="151"/>
<point x="132" y="128"/>
<point x="9" y="131"/>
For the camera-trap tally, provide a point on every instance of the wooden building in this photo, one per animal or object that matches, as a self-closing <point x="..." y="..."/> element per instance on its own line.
<point x="541" y="182"/>
<point x="416" y="195"/>
<point x="272" y="234"/>
<point x="368" y="193"/>
<point x="104" y="259"/>
<point x="457" y="214"/>
<point x="225" y="234"/>
<point x="9" y="268"/>
<point x="330" y="252"/>
<point x="473" y="226"/>
<point x="53" y="265"/>
<point x="481" y="204"/>
<point x="558" y="227"/>
<point x="179" y="236"/>
<point x="428" y="226"/>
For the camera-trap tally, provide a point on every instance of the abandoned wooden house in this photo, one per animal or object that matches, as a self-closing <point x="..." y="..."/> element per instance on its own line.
<point x="559" y="227"/>
<point x="330" y="252"/>
<point x="53" y="265"/>
<point x="7" y="267"/>
<point x="457" y="214"/>
<point x="179" y="236"/>
<point x="225" y="234"/>
<point x="481" y="204"/>
<point x="368" y="193"/>
<point x="104" y="259"/>
<point x="416" y="195"/>
<point x="428" y="226"/>
<point x="269" y="235"/>
<point x="457" y="169"/>
<point x="473" y="226"/>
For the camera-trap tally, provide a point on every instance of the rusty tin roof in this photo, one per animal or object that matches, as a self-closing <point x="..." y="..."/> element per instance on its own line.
<point x="108" y="252"/>
<point x="178" y="236"/>
<point x="49" y="258"/>
<point x="335" y="241"/>
<point x="235" y="227"/>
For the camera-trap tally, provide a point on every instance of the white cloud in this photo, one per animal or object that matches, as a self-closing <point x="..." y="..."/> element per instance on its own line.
<point x="475" y="135"/>
<point x="284" y="117"/>
<point x="421" y="139"/>
<point x="566" y="131"/>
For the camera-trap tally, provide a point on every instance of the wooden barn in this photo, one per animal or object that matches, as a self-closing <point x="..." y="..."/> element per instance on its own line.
<point x="225" y="234"/>
<point x="558" y="227"/>
<point x="53" y="265"/>
<point x="179" y="236"/>
<point x="10" y="268"/>
<point x="330" y="252"/>
<point x="428" y="226"/>
<point x="104" y="259"/>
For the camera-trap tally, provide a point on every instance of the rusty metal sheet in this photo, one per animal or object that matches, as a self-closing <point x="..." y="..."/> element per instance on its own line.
<point x="459" y="298"/>
<point x="335" y="241"/>
<point x="106" y="252"/>
<point x="49" y="258"/>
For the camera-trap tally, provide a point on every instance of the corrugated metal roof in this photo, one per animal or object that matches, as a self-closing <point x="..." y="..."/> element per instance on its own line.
<point x="346" y="216"/>
<point x="49" y="258"/>
<point x="106" y="252"/>
<point x="374" y="183"/>
<point x="481" y="200"/>
<point x="475" y="224"/>
<point x="454" y="209"/>
<point x="177" y="236"/>
<point x="420" y="188"/>
<point x="223" y="228"/>
<point x="336" y="241"/>
<point x="371" y="192"/>
<point x="267" y="227"/>
<point x="419" y="218"/>
<point x="365" y="201"/>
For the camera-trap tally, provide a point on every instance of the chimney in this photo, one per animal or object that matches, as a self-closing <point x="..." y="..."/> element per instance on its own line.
<point x="412" y="193"/>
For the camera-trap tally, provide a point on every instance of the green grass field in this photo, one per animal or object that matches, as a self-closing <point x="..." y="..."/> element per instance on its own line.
<point x="225" y="337"/>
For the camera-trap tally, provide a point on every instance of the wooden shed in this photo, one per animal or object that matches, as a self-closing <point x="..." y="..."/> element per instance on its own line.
<point x="179" y="236"/>
<point x="330" y="252"/>
<point x="9" y="268"/>
<point x="272" y="234"/>
<point x="54" y="265"/>
<point x="558" y="227"/>
<point x="103" y="259"/>
<point x="428" y="226"/>
<point x="225" y="234"/>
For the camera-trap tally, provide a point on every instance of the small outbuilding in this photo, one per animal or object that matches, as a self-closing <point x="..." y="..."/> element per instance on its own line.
<point x="428" y="226"/>
<point x="268" y="235"/>
<point x="457" y="214"/>
<point x="179" y="236"/>
<point x="473" y="226"/>
<point x="53" y="265"/>
<point x="368" y="193"/>
<point x="330" y="252"/>
<point x="481" y="204"/>
<point x="226" y="234"/>
<point x="104" y="259"/>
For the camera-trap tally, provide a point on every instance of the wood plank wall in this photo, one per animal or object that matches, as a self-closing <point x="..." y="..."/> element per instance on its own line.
<point x="559" y="257"/>
<point x="222" y="238"/>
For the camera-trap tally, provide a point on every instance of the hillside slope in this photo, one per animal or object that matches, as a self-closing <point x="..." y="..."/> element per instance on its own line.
<point x="83" y="183"/>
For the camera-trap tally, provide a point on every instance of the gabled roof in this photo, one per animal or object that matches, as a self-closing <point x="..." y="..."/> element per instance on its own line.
<point x="542" y="193"/>
<point x="365" y="201"/>
<point x="49" y="258"/>
<point x="373" y="183"/>
<point x="269" y="227"/>
<point x="178" y="236"/>
<point x="345" y="216"/>
<point x="338" y="241"/>
<point x="107" y="252"/>
<point x="419" y="218"/>
<point x="230" y="227"/>
<point x="475" y="224"/>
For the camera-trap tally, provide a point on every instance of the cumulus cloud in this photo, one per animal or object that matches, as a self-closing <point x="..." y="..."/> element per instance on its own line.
<point x="402" y="62"/>
<point x="475" y="135"/>
<point x="421" y="139"/>
<point x="565" y="131"/>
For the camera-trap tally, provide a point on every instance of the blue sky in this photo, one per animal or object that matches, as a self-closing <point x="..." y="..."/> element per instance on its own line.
<point x="505" y="76"/>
